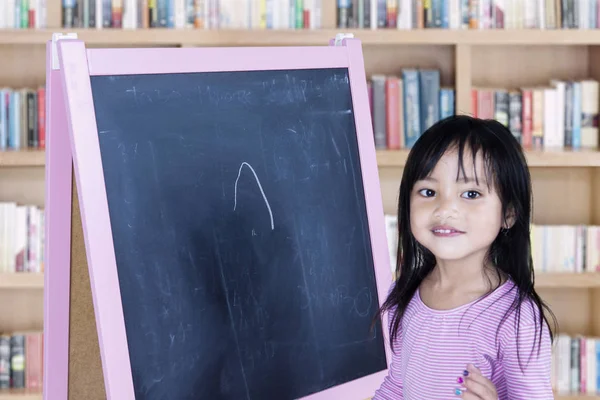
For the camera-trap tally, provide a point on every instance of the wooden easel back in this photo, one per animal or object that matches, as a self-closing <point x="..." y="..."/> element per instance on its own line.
<point x="86" y="380"/>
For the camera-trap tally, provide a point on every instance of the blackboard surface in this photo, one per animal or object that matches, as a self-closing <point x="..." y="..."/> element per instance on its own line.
<point x="240" y="232"/>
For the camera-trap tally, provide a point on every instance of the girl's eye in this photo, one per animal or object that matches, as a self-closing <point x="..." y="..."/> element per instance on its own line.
<point x="471" y="194"/>
<point x="427" y="192"/>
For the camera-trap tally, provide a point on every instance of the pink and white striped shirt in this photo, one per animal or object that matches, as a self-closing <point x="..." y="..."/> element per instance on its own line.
<point x="435" y="346"/>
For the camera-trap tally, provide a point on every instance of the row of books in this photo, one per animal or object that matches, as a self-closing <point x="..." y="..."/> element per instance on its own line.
<point x="22" y="238"/>
<point x="562" y="114"/>
<point x="555" y="248"/>
<point x="468" y="14"/>
<point x="22" y="118"/>
<point x="21" y="360"/>
<point x="565" y="248"/>
<point x="193" y="14"/>
<point x="404" y="106"/>
<point x="575" y="361"/>
<point x="23" y="14"/>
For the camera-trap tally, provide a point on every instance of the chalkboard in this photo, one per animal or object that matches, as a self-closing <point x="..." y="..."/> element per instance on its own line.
<point x="240" y="231"/>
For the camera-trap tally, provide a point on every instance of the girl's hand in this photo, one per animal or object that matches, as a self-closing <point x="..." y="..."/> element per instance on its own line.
<point x="478" y="387"/>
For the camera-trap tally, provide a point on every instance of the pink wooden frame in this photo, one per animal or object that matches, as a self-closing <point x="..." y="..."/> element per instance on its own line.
<point x="72" y="111"/>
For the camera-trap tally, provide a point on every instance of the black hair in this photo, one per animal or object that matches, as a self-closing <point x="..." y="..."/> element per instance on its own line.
<point x="505" y="168"/>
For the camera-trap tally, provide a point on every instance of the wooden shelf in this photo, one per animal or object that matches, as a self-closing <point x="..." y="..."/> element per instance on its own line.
<point x="22" y="158"/>
<point x="585" y="280"/>
<point x="21" y="280"/>
<point x="232" y="37"/>
<point x="385" y="158"/>
<point x="20" y="394"/>
<point x="559" y="158"/>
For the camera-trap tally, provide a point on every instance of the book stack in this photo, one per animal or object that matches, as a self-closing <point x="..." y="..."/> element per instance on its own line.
<point x="562" y="114"/>
<point x="468" y="14"/>
<point x="22" y="118"/>
<point x="192" y="14"/>
<point x="404" y="106"/>
<point x="565" y="248"/>
<point x="21" y="238"/>
<point x="575" y="365"/>
<point x="21" y="360"/>
<point x="555" y="248"/>
<point x="23" y="14"/>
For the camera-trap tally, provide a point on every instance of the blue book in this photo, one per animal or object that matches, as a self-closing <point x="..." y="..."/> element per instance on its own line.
<point x="412" y="117"/>
<point x="429" y="86"/>
<point x="14" y="118"/>
<point x="446" y="102"/>
<point x="576" y="115"/>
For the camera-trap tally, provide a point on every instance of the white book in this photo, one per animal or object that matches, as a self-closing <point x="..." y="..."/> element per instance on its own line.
<point x="391" y="230"/>
<point x="21" y="238"/>
<point x="3" y="239"/>
<point x="584" y="14"/>
<point x="591" y="365"/>
<point x="405" y="11"/>
<point x="10" y="216"/>
<point x="563" y="347"/>
<point x="284" y="14"/>
<point x="552" y="138"/>
<point x="99" y="14"/>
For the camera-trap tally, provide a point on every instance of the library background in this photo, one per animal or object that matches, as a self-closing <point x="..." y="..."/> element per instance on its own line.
<point x="534" y="65"/>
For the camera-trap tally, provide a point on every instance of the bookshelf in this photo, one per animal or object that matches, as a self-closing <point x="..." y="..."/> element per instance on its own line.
<point x="566" y="183"/>
<point x="15" y="394"/>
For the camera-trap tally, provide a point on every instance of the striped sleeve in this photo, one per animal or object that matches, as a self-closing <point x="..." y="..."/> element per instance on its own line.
<point x="528" y="370"/>
<point x="391" y="387"/>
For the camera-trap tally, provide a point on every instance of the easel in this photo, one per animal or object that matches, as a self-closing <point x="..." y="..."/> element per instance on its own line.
<point x="76" y="311"/>
<point x="72" y="368"/>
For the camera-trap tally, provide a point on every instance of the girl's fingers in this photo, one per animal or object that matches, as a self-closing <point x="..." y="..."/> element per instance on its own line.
<point x="476" y="384"/>
<point x="470" y="396"/>
<point x="477" y="388"/>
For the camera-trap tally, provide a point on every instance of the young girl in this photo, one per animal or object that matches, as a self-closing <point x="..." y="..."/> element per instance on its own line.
<point x="465" y="319"/>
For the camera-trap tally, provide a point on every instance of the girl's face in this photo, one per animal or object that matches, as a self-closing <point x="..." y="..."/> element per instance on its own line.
<point x="456" y="219"/>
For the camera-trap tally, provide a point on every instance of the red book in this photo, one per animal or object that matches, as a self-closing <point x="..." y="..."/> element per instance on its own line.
<point x="393" y="120"/>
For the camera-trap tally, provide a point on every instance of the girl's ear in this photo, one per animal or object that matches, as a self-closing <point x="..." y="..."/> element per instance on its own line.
<point x="509" y="218"/>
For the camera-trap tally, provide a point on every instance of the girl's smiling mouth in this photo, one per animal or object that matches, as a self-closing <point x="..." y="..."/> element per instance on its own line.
<point x="446" y="231"/>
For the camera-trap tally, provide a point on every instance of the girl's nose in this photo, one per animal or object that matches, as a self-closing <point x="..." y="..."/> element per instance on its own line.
<point x="445" y="208"/>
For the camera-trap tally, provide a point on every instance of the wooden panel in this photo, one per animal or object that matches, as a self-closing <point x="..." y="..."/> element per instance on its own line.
<point x="595" y="311"/>
<point x="22" y="280"/>
<point x="20" y="394"/>
<point x="567" y="280"/>
<point x="328" y="14"/>
<point x="391" y="60"/>
<point x="86" y="378"/>
<point x="21" y="309"/>
<point x="23" y="66"/>
<point x="389" y="179"/>
<point x="53" y="15"/>
<point x="595" y="196"/>
<point x="463" y="64"/>
<point x="23" y="185"/>
<point x="561" y="195"/>
<point x="257" y="37"/>
<point x="511" y="67"/>
<point x="22" y="158"/>
<point x="571" y="308"/>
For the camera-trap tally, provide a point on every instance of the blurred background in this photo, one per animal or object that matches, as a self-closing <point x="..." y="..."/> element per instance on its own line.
<point x="533" y="65"/>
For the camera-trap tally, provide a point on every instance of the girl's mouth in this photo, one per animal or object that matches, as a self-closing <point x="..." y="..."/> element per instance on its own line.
<point x="446" y="231"/>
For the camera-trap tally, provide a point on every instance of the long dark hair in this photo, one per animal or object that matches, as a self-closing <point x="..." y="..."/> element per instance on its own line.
<point x="506" y="168"/>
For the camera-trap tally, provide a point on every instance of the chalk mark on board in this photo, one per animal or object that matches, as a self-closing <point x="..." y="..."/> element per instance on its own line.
<point x="259" y="186"/>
